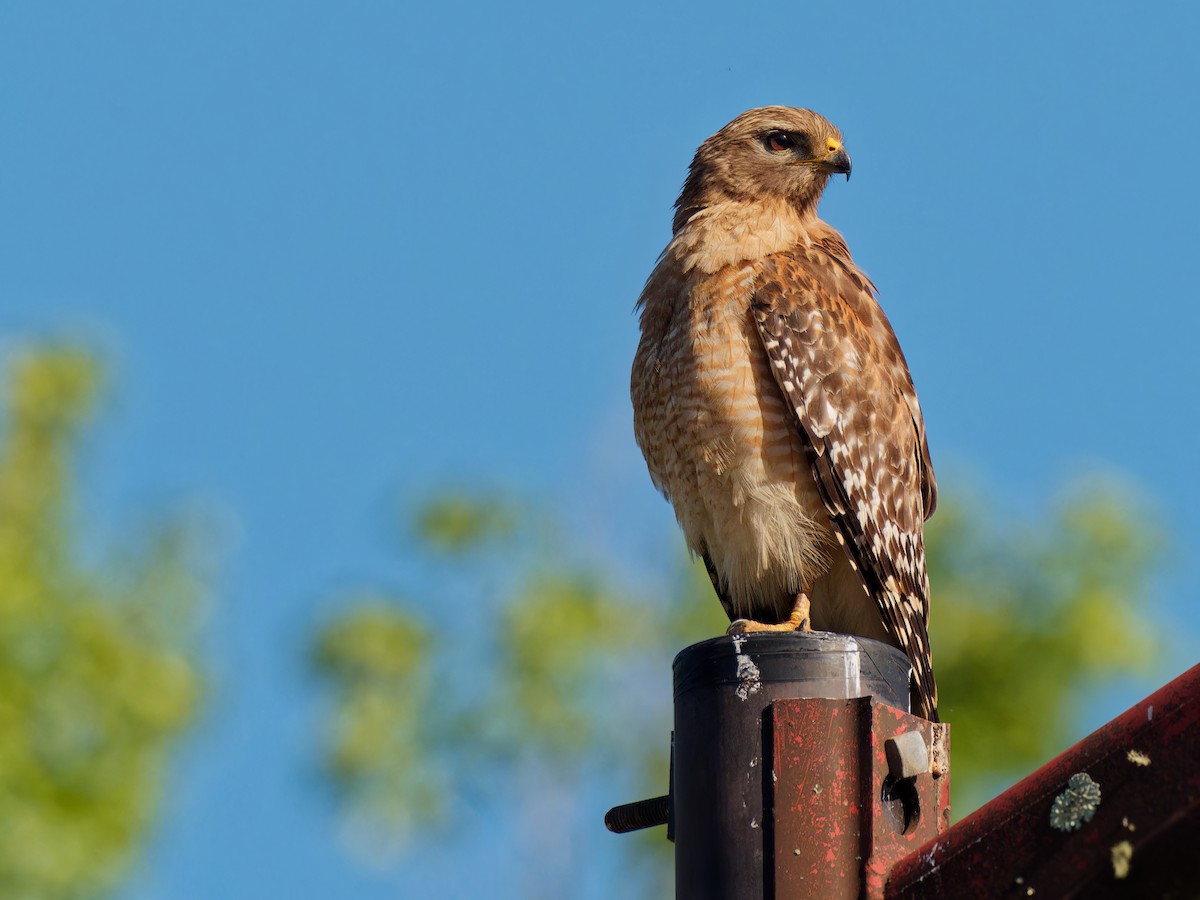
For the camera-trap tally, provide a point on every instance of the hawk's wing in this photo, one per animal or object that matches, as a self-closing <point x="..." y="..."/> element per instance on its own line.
<point x="836" y="359"/>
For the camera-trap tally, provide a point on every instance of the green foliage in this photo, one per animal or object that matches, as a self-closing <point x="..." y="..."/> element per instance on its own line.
<point x="96" y="672"/>
<point x="520" y="650"/>
<point x="459" y="522"/>
<point x="378" y="656"/>
<point x="555" y="642"/>
<point x="1028" y="618"/>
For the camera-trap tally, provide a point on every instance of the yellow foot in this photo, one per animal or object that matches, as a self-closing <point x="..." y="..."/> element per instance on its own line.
<point x="797" y="621"/>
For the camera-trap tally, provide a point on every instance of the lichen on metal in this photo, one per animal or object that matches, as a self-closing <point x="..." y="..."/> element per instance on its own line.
<point x="1122" y="853"/>
<point x="1138" y="758"/>
<point x="1077" y="803"/>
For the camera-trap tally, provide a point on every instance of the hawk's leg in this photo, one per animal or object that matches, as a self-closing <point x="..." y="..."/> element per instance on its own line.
<point x="797" y="621"/>
<point x="722" y="594"/>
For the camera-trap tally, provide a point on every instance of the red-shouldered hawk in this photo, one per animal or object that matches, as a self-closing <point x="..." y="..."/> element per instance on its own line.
<point x="773" y="404"/>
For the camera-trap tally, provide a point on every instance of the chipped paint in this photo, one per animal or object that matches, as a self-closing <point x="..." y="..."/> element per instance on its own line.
<point x="1077" y="803"/>
<point x="1122" y="853"/>
<point x="940" y="763"/>
<point x="1138" y="758"/>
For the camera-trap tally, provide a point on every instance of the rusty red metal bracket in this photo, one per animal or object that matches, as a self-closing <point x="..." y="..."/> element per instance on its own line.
<point x="857" y="786"/>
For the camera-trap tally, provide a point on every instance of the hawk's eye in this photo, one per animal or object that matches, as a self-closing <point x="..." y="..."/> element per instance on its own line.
<point x="779" y="142"/>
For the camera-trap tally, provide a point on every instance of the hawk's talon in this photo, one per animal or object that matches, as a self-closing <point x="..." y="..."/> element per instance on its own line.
<point x="800" y="620"/>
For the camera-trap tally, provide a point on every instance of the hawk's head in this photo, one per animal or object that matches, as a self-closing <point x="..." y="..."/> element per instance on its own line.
<point x="774" y="151"/>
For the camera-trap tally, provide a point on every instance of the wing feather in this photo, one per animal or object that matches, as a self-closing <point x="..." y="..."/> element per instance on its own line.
<point x="836" y="359"/>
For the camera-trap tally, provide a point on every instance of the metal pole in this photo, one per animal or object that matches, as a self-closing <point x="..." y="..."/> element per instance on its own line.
<point x="723" y="687"/>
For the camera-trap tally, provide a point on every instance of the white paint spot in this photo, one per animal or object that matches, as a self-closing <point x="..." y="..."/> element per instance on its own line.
<point x="854" y="673"/>
<point x="1138" y="758"/>
<point x="749" y="678"/>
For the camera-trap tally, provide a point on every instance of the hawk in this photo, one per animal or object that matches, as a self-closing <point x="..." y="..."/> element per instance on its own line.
<point x="773" y="404"/>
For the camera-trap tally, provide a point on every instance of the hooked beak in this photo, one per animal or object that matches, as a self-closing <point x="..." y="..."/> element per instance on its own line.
<point x="837" y="163"/>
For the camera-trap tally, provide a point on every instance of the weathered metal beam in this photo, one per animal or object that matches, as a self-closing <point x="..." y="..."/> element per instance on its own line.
<point x="1117" y="815"/>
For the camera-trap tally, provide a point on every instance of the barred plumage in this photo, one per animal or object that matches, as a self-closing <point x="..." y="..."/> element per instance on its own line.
<point x="773" y="403"/>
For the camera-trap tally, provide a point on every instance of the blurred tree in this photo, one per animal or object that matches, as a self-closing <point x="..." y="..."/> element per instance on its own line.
<point x="1028" y="618"/>
<point x="96" y="672"/>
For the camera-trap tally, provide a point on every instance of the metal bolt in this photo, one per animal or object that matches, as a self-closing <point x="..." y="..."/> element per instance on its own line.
<point x="907" y="755"/>
<point x="642" y="814"/>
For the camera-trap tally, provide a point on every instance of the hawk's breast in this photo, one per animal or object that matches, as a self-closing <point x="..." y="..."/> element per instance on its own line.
<point x="720" y="440"/>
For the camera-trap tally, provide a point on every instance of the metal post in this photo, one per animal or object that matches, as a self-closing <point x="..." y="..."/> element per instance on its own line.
<point x="796" y="771"/>
<point x="724" y="689"/>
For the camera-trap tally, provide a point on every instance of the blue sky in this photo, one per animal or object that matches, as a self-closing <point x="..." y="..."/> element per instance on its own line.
<point x="340" y="252"/>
